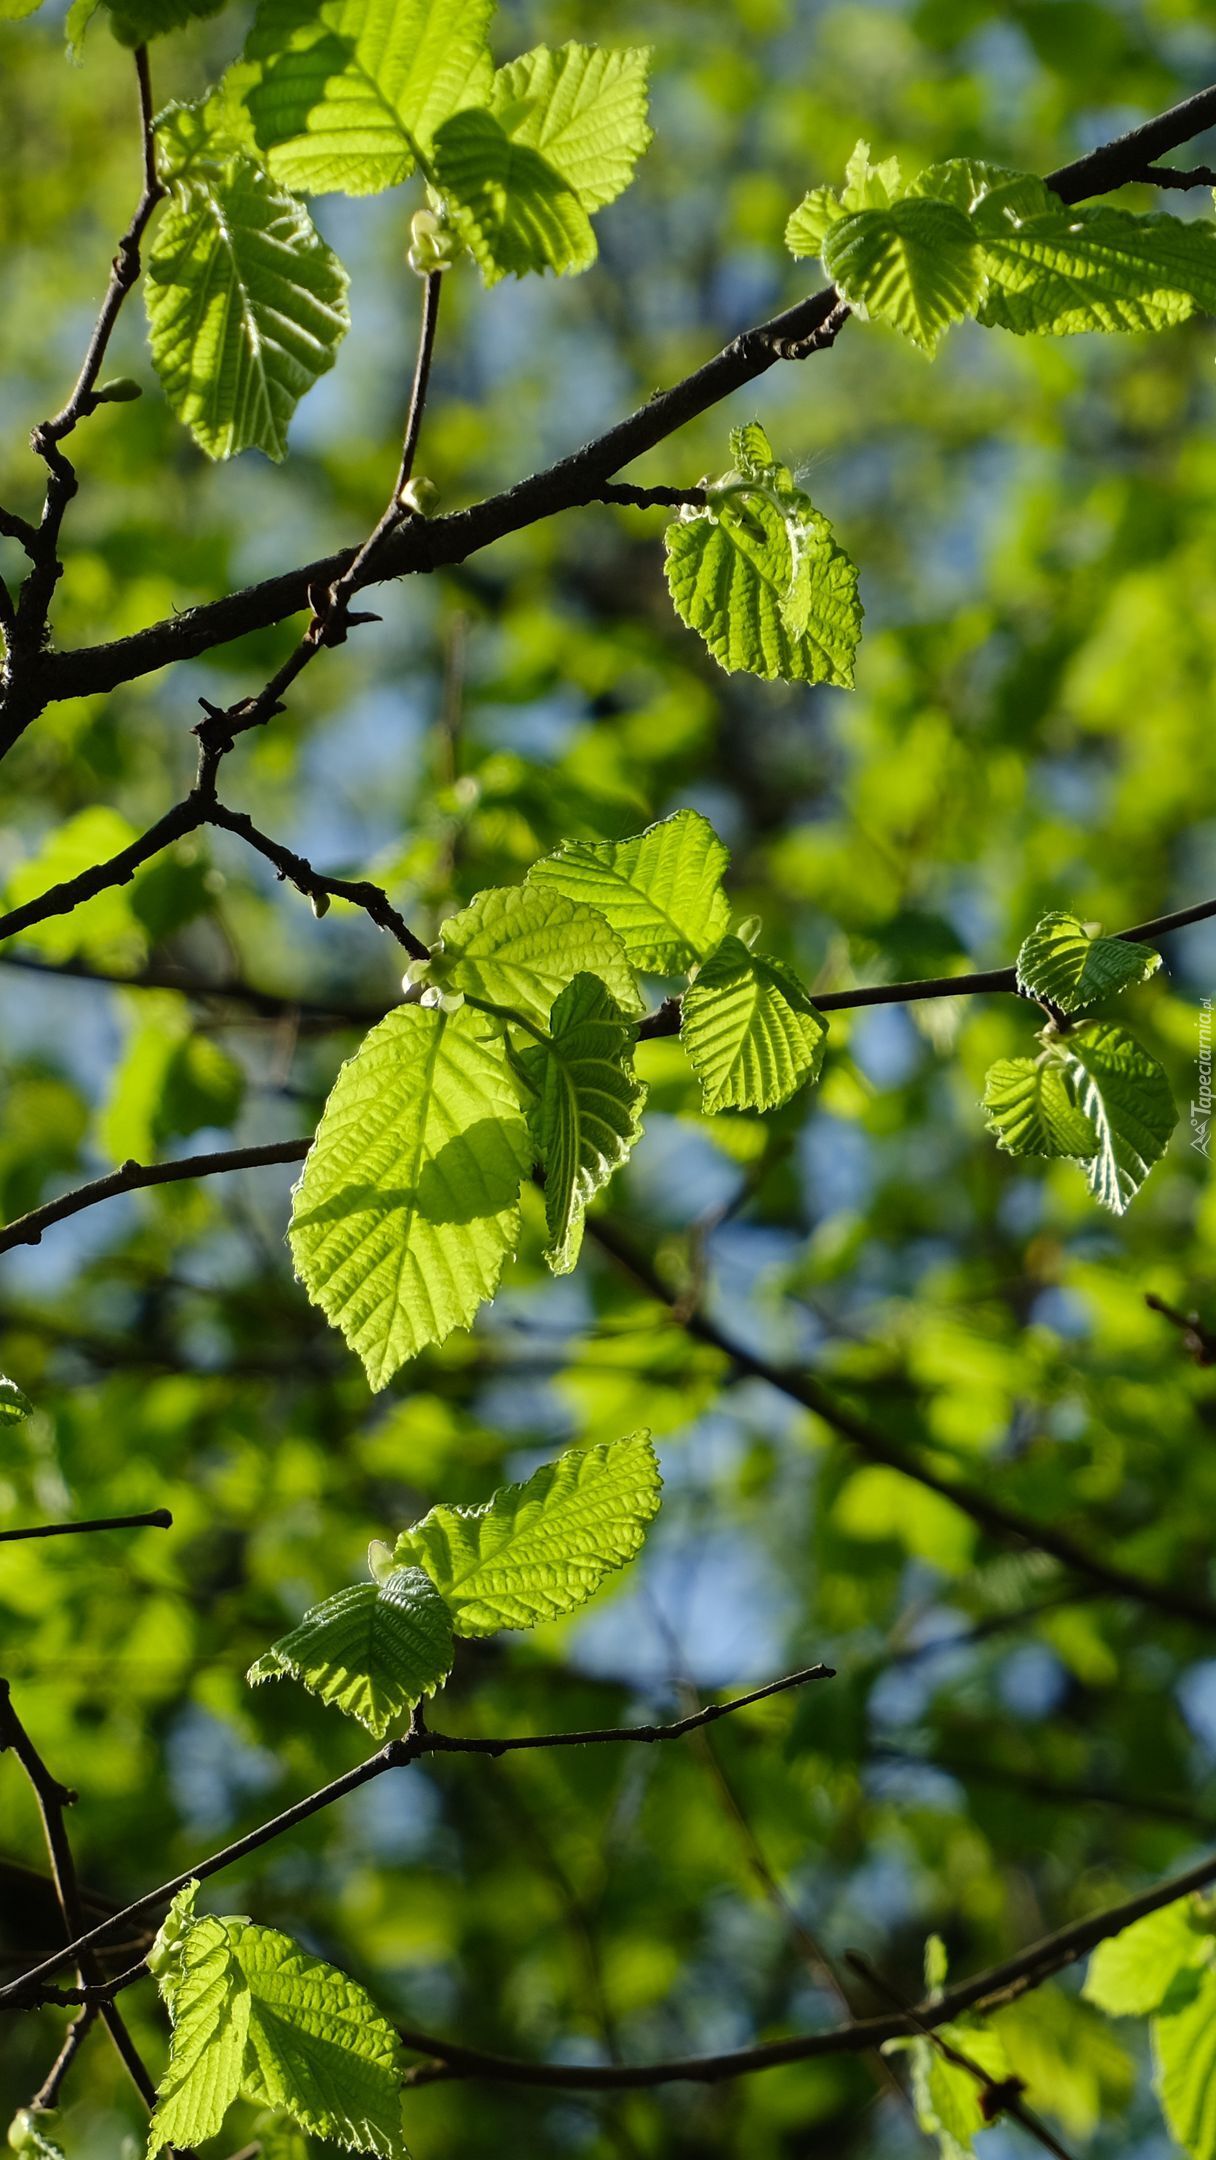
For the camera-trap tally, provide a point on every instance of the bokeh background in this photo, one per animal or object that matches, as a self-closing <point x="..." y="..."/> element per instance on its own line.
<point x="1032" y="727"/>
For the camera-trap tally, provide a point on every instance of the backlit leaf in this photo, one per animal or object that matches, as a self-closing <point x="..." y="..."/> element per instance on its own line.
<point x="915" y="265"/>
<point x="661" y="890"/>
<point x="584" y="1109"/>
<point x="1072" y="967"/>
<point x="1126" y="1095"/>
<point x="518" y="946"/>
<point x="1030" y="1108"/>
<point x="752" y="1034"/>
<point x="373" y="1651"/>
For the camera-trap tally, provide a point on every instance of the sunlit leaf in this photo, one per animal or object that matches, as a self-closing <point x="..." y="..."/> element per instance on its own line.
<point x="1127" y="1097"/>
<point x="372" y="1651"/>
<point x="583" y="1108"/>
<point x="1031" y="1108"/>
<point x="752" y="1034"/>
<point x="518" y="946"/>
<point x="915" y="265"/>
<point x="661" y="890"/>
<point x="1072" y="967"/>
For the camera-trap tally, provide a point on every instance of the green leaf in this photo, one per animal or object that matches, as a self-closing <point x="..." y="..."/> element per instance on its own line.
<point x="866" y="187"/>
<point x="30" y="2133"/>
<point x="345" y="94"/>
<point x="752" y="1034"/>
<point x="538" y="1550"/>
<point x="409" y="1200"/>
<point x="585" y="1116"/>
<point x="17" y="10"/>
<point x="137" y="22"/>
<point x="759" y="575"/>
<point x="511" y="207"/>
<point x="254" y="2013"/>
<point x="1133" y="1972"/>
<point x="279" y="2139"/>
<point x="1184" y="2056"/>
<point x="209" y="2004"/>
<point x="1070" y="966"/>
<point x="246" y="308"/>
<point x="15" y="1407"/>
<point x="661" y="890"/>
<point x="104" y="929"/>
<point x="947" y="2097"/>
<point x="1127" y="1096"/>
<point x="373" y="1651"/>
<point x="318" y="2048"/>
<point x="583" y="108"/>
<point x="519" y="945"/>
<point x="1031" y="1110"/>
<point x="914" y="265"/>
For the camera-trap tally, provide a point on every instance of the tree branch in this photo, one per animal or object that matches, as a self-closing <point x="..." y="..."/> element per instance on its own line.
<point x="136" y="1177"/>
<point x="39" y="588"/>
<point x="1007" y="1524"/>
<point x="361" y="892"/>
<point x="417" y="1742"/>
<point x="158" y="1519"/>
<point x="433" y="543"/>
<point x="155" y="975"/>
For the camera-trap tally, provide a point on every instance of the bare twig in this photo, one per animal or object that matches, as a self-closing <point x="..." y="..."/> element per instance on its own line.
<point x="136" y="1177"/>
<point x="1198" y="1341"/>
<point x="417" y="1742"/>
<point x="159" y="1519"/>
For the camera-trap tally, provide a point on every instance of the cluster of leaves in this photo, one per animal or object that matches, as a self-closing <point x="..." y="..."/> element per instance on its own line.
<point x="1093" y="1093"/>
<point x="968" y="238"/>
<point x="252" y="2013"/>
<point x="532" y="1552"/>
<point x="514" y="1048"/>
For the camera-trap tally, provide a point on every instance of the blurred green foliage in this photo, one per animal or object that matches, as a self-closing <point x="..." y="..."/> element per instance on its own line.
<point x="1032" y="729"/>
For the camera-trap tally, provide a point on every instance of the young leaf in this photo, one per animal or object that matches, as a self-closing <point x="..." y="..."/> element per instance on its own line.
<point x="947" y="2097"/>
<point x="1133" y="1972"/>
<point x="318" y="2048"/>
<point x="14" y="1406"/>
<point x="661" y="890"/>
<point x="1032" y="1112"/>
<point x="1127" y="1096"/>
<point x="583" y="108"/>
<point x="408" y="1203"/>
<point x="538" y="1550"/>
<point x="759" y="575"/>
<point x="345" y="93"/>
<point x="1062" y="961"/>
<point x="30" y="2133"/>
<point x="373" y="1651"/>
<point x="914" y="265"/>
<point x="585" y="1110"/>
<point x="752" y="1035"/>
<point x="511" y="206"/>
<point x="209" y="2005"/>
<point x="519" y="945"/>
<point x="1184" y="2056"/>
<point x="246" y="308"/>
<point x="137" y="22"/>
<point x="866" y="187"/>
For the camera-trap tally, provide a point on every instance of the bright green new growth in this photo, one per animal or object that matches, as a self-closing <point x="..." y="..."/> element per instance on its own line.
<point x="584" y="1108"/>
<point x="14" y="1405"/>
<point x="246" y="308"/>
<point x="408" y="1204"/>
<point x="915" y="265"/>
<point x="752" y="1034"/>
<point x="255" y="2015"/>
<point x="1164" y="1964"/>
<point x="1126" y="1095"/>
<point x="344" y="96"/>
<point x="1073" y="968"/>
<point x="518" y="946"/>
<point x="759" y="575"/>
<point x="30" y="2133"/>
<point x="584" y="109"/>
<point x="1031" y="1110"/>
<point x="946" y="2097"/>
<point x="538" y="1550"/>
<point x="661" y="890"/>
<point x="373" y="1651"/>
<point x="970" y="238"/>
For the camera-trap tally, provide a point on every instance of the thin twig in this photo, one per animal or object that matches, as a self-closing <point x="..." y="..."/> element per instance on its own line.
<point x="159" y="1519"/>
<point x="1006" y="1523"/>
<point x="137" y="1177"/>
<point x="417" y="1742"/>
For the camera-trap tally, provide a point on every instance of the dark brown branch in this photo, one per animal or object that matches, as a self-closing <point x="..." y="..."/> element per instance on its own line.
<point x="360" y="892"/>
<point x="433" y="543"/>
<point x="331" y="615"/>
<point x="136" y="1177"/>
<point x="39" y="588"/>
<point x="1167" y="176"/>
<point x="1198" y="1341"/>
<point x="53" y="1801"/>
<point x="419" y="1741"/>
<point x="1006" y="1524"/>
<point x="47" y="2095"/>
<point x="185" y="817"/>
<point x="158" y="1519"/>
